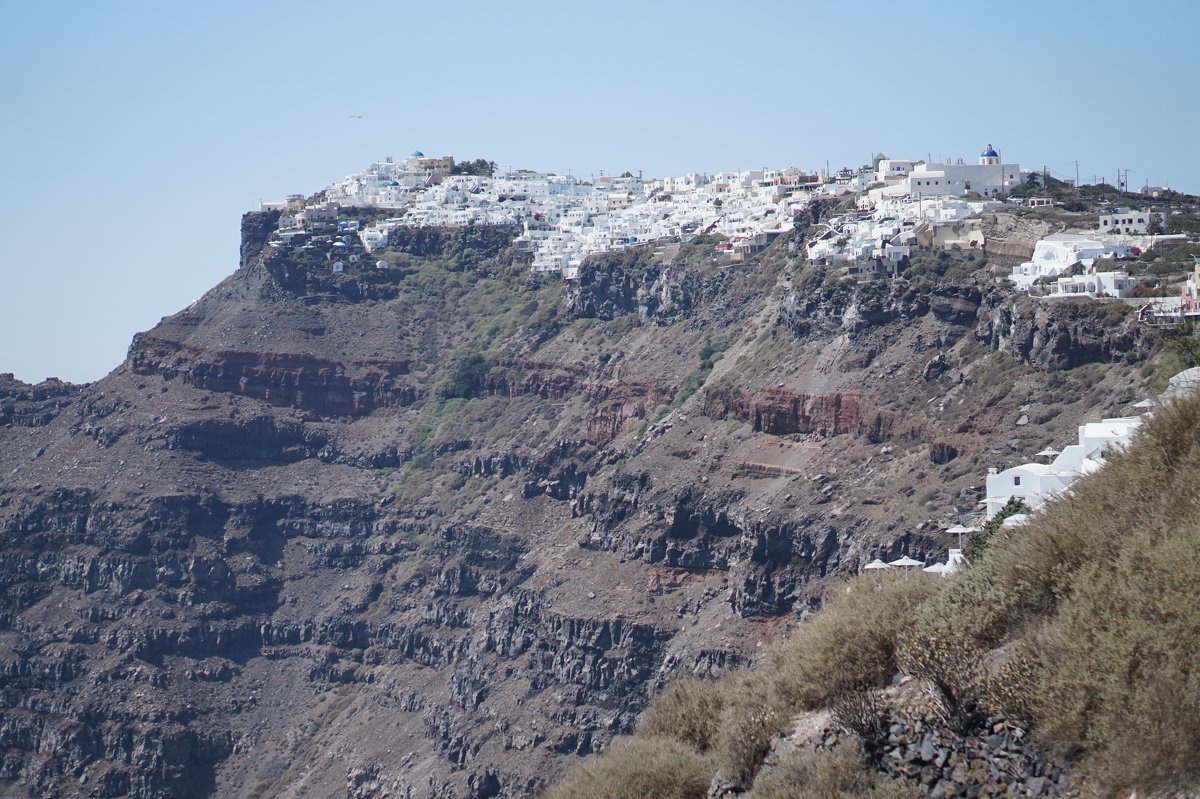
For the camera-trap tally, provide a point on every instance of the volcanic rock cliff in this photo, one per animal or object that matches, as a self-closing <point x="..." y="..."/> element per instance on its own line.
<point x="440" y="529"/>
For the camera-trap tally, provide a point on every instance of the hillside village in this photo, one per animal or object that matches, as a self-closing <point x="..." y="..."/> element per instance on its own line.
<point x="889" y="212"/>
<point x="900" y="208"/>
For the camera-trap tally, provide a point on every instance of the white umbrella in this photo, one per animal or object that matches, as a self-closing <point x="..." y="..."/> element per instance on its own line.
<point x="876" y="564"/>
<point x="959" y="530"/>
<point x="1144" y="404"/>
<point x="1048" y="452"/>
<point x="936" y="568"/>
<point x="906" y="562"/>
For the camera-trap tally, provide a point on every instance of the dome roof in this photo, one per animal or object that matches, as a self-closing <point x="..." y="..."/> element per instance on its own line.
<point x="989" y="153"/>
<point x="417" y="154"/>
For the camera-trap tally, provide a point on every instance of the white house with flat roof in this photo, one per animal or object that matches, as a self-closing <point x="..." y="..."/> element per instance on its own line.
<point x="1124" y="220"/>
<point x="892" y="170"/>
<point x="1054" y="255"/>
<point x="1117" y="283"/>
<point x="1034" y="483"/>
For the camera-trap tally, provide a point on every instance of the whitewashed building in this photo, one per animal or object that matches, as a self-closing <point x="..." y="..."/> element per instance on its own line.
<point x="893" y="170"/>
<point x="1117" y="283"/>
<point x="989" y="177"/>
<point x="1124" y="220"/>
<point x="1054" y="255"/>
<point x="1034" y="483"/>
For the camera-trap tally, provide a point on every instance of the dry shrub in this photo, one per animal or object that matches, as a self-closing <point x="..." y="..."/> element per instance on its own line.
<point x="1104" y="585"/>
<point x="976" y="603"/>
<point x="840" y="773"/>
<point x="851" y="643"/>
<point x="949" y="664"/>
<point x="754" y="713"/>
<point x="864" y="715"/>
<point x="1119" y="673"/>
<point x="639" y="768"/>
<point x="1102" y="588"/>
<point x="689" y="711"/>
<point x="1142" y="493"/>
<point x="1007" y="690"/>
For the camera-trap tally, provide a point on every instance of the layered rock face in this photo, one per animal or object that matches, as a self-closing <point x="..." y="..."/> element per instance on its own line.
<point x="440" y="530"/>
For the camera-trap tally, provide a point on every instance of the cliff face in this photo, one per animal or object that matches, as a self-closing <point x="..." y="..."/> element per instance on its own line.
<point x="439" y="530"/>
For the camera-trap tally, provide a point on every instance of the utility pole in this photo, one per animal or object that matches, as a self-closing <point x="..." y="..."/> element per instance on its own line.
<point x="1076" y="174"/>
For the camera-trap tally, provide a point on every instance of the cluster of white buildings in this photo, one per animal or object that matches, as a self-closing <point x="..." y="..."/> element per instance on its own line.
<point x="1054" y="256"/>
<point x="563" y="219"/>
<point x="912" y="204"/>
<point x="904" y="204"/>
<point x="1121" y="233"/>
<point x="390" y="183"/>
<point x="748" y="208"/>
<point x="888" y="229"/>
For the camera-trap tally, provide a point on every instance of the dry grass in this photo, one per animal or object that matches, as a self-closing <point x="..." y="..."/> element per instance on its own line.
<point x="1104" y="589"/>
<point x="689" y="711"/>
<point x="639" y="768"/>
<point x="852" y="643"/>
<point x="755" y="712"/>
<point x="841" y="773"/>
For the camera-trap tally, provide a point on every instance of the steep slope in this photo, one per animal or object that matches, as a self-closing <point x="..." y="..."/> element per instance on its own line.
<point x="440" y="529"/>
<point x="1062" y="663"/>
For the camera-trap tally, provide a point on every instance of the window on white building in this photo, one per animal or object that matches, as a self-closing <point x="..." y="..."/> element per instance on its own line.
<point x="1016" y="480"/>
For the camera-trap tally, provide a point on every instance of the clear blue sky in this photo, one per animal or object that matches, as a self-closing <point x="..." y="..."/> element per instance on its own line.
<point x="136" y="133"/>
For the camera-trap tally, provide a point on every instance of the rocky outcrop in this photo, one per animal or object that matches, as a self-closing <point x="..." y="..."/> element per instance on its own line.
<point x="614" y="401"/>
<point x="782" y="412"/>
<point x="258" y="439"/>
<point x="25" y="405"/>
<point x="1063" y="334"/>
<point x="469" y="245"/>
<point x="634" y="282"/>
<point x="330" y="388"/>
<point x="257" y="227"/>
<point x="996" y="758"/>
<point x="556" y="474"/>
<point x="178" y="618"/>
<point x="858" y="307"/>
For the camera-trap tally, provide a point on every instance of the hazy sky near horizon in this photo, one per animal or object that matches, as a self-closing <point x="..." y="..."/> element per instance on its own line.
<point x="135" y="134"/>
